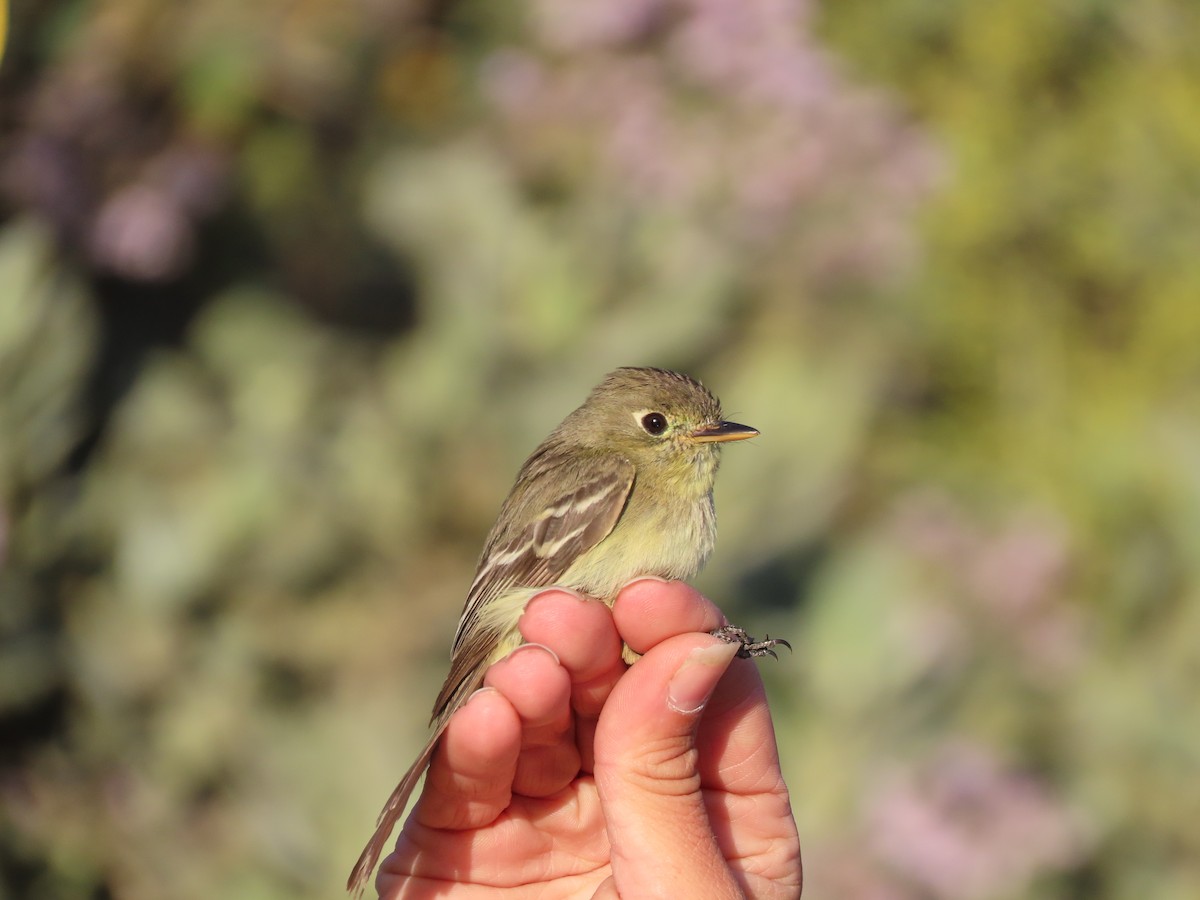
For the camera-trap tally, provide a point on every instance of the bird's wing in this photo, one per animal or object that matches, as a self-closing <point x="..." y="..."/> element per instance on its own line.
<point x="584" y="513"/>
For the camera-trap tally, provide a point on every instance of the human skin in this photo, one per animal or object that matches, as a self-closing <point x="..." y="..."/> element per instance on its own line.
<point x="572" y="774"/>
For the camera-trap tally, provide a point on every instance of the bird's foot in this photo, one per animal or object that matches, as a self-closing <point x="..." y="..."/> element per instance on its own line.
<point x="749" y="648"/>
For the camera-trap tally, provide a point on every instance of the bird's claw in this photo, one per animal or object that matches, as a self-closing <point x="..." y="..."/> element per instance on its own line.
<point x="748" y="647"/>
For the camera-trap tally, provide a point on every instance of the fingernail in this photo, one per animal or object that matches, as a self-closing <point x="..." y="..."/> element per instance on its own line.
<point x="517" y="650"/>
<point x="554" y="594"/>
<point x="482" y="690"/>
<point x="641" y="578"/>
<point x="693" y="684"/>
<point x="556" y="590"/>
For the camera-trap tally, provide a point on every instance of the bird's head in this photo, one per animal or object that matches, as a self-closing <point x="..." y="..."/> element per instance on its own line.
<point x="655" y="418"/>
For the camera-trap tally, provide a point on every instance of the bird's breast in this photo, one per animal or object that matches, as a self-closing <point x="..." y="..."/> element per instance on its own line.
<point x="654" y="536"/>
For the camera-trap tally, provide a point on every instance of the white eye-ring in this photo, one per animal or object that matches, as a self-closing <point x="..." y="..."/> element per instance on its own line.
<point x="654" y="423"/>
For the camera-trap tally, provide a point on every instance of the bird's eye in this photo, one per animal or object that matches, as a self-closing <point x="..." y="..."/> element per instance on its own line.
<point x="654" y="423"/>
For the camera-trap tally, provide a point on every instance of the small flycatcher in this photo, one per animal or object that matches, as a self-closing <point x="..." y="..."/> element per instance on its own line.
<point x="621" y="489"/>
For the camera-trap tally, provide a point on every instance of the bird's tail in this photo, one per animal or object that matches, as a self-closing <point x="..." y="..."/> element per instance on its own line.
<point x="392" y="810"/>
<point x="467" y="668"/>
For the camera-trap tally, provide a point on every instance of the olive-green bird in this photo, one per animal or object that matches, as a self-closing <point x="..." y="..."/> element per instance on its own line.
<point x="621" y="489"/>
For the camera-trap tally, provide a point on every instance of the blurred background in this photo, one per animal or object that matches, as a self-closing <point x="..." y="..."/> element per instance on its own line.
<point x="289" y="289"/>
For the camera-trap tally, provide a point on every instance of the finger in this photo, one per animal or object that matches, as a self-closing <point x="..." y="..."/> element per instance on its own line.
<point x="737" y="724"/>
<point x="582" y="633"/>
<point x="607" y="890"/>
<point x="647" y="776"/>
<point x="736" y="736"/>
<point x="747" y="801"/>
<point x="540" y="691"/>
<point x="471" y="774"/>
<point x="649" y="610"/>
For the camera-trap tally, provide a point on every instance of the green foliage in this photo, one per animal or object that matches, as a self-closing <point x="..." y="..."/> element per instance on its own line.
<point x="290" y="291"/>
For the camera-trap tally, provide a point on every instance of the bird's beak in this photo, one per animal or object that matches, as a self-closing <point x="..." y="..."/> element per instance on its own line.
<point x="723" y="431"/>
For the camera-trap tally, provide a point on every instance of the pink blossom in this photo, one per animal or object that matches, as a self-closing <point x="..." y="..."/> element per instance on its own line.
<point x="962" y="826"/>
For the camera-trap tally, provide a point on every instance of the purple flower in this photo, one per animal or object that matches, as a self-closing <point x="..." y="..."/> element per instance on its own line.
<point x="962" y="826"/>
<point x="723" y="113"/>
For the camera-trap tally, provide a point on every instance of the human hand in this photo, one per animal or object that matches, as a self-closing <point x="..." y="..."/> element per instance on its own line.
<point x="573" y="775"/>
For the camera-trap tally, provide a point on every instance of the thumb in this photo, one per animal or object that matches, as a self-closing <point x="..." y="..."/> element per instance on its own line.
<point x="646" y="773"/>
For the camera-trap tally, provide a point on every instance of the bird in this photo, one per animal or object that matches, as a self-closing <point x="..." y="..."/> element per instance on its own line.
<point x="621" y="489"/>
